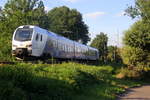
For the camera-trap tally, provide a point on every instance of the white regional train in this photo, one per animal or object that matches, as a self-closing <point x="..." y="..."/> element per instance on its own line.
<point x="34" y="41"/>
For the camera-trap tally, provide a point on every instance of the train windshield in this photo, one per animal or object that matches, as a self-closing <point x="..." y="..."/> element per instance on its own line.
<point x="23" y="34"/>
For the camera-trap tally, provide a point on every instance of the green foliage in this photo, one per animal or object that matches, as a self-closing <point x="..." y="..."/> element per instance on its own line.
<point x="128" y="73"/>
<point x="114" y="55"/>
<point x="24" y="12"/>
<point x="100" y="42"/>
<point x="141" y="8"/>
<point x="133" y="56"/>
<point x="25" y="83"/>
<point x="136" y="53"/>
<point x="5" y="47"/>
<point x="138" y="36"/>
<point x="67" y="81"/>
<point x="137" y="39"/>
<point x="138" y="73"/>
<point x="69" y="23"/>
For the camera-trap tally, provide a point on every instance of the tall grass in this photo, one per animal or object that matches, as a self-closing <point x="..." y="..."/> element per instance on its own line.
<point x="67" y="81"/>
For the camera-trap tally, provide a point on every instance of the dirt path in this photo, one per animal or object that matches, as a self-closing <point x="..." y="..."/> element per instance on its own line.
<point x="139" y="93"/>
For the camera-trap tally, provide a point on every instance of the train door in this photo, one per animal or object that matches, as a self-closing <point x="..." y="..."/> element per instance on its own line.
<point x="36" y="46"/>
<point x="41" y="44"/>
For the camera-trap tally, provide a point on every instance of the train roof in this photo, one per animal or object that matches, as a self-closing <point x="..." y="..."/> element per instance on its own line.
<point x="27" y="26"/>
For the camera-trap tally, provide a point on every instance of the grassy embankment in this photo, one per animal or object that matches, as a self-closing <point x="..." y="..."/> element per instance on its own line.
<point x="67" y="81"/>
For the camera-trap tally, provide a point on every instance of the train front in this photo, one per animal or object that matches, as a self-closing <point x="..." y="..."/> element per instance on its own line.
<point x="22" y="41"/>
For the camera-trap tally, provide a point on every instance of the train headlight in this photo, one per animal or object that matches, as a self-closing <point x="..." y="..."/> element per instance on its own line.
<point x="29" y="45"/>
<point x="14" y="45"/>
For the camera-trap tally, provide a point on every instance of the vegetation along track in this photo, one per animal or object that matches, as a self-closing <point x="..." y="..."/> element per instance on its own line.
<point x="47" y="62"/>
<point x="7" y="62"/>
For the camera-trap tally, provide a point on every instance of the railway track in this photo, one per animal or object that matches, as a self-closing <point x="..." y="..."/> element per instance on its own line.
<point x="33" y="62"/>
<point x="49" y="61"/>
<point x="43" y="62"/>
<point x="6" y="62"/>
<point x="46" y="60"/>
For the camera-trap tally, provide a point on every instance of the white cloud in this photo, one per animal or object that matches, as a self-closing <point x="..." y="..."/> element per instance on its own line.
<point x="47" y="8"/>
<point x="94" y="14"/>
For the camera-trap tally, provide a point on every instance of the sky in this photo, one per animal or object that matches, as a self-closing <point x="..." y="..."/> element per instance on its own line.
<point x="100" y="15"/>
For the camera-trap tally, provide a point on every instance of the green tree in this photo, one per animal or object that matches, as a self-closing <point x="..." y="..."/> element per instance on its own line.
<point x="100" y="42"/>
<point x="141" y="9"/>
<point x="114" y="54"/>
<point x="133" y="56"/>
<point x="137" y="38"/>
<point x="69" y="23"/>
<point x="137" y="41"/>
<point x="24" y="12"/>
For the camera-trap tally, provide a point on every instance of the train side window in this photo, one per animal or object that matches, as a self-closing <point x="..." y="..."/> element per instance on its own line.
<point x="54" y="43"/>
<point x="64" y="47"/>
<point x="68" y="48"/>
<point x="41" y="37"/>
<point x="61" y="46"/>
<point x="96" y="53"/>
<point x="79" y="49"/>
<point x="37" y="37"/>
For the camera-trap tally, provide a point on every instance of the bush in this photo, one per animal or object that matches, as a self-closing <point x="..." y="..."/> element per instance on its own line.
<point x="133" y="56"/>
<point x="137" y="41"/>
<point x="114" y="54"/>
<point x="128" y="73"/>
<point x="134" y="73"/>
<point x="67" y="81"/>
<point x="24" y="83"/>
<point x="5" y="47"/>
<point x="138" y="36"/>
<point x="50" y="82"/>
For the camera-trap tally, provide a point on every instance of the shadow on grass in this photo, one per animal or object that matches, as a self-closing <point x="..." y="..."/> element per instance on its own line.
<point x="21" y="84"/>
<point x="92" y="87"/>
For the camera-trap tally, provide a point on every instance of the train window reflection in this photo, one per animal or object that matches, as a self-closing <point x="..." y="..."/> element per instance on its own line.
<point x="23" y="34"/>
